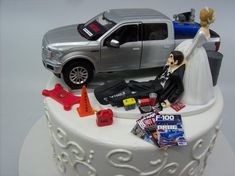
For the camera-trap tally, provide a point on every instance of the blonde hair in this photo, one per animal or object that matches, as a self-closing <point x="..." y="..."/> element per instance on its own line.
<point x="206" y="16"/>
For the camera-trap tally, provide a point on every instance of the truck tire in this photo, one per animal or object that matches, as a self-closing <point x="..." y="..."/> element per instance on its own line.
<point x="76" y="74"/>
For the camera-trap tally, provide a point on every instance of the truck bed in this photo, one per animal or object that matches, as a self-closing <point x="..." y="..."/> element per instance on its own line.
<point x="189" y="30"/>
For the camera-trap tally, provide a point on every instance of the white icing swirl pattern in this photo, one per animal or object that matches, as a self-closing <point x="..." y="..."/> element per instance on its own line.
<point x="119" y="157"/>
<point x="73" y="157"/>
<point x="194" y="168"/>
<point x="198" y="164"/>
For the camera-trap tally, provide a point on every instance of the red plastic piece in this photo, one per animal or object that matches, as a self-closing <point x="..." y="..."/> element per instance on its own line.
<point x="85" y="108"/>
<point x="177" y="106"/>
<point x="104" y="117"/>
<point x="144" y="102"/>
<point x="67" y="99"/>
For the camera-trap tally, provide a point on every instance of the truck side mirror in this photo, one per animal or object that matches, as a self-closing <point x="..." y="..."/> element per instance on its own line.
<point x="114" y="43"/>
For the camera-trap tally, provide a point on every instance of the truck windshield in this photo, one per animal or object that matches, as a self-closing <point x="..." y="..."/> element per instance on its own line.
<point x="96" y="27"/>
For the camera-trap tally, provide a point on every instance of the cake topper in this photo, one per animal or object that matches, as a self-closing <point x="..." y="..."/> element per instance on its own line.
<point x="185" y="17"/>
<point x="104" y="117"/>
<point x="111" y="41"/>
<point x="198" y="79"/>
<point x="67" y="99"/>
<point x="85" y="108"/>
<point x="168" y="84"/>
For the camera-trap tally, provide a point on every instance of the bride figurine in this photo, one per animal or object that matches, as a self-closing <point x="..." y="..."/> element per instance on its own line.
<point x="198" y="86"/>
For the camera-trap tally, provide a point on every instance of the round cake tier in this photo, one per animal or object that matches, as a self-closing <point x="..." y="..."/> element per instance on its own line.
<point x="114" y="151"/>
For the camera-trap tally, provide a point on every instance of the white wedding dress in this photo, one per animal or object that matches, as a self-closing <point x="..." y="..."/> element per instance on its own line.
<point x="198" y="85"/>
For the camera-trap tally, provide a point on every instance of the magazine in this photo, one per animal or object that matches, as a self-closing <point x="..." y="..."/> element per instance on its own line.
<point x="161" y="130"/>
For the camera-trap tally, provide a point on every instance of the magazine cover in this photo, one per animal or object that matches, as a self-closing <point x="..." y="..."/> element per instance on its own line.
<point x="142" y="124"/>
<point x="170" y="130"/>
<point x="161" y="130"/>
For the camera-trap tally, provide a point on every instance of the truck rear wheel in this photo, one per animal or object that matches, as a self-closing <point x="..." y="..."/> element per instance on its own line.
<point x="76" y="74"/>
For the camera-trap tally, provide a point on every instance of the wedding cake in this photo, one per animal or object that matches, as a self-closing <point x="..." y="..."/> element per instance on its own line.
<point x="81" y="147"/>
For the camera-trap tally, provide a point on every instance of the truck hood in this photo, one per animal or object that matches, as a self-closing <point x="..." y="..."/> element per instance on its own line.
<point x="64" y="36"/>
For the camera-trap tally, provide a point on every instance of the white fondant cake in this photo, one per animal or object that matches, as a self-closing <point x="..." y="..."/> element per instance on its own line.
<point x="81" y="148"/>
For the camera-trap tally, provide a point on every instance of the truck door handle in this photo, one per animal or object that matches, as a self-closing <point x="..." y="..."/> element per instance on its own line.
<point x="135" y="49"/>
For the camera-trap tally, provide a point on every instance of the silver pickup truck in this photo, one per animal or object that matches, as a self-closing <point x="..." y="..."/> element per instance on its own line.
<point x="115" y="40"/>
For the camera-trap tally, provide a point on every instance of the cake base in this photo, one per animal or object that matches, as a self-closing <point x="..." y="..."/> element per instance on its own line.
<point x="81" y="148"/>
<point x="36" y="155"/>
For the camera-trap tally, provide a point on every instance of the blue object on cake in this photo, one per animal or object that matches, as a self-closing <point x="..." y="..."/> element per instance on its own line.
<point x="186" y="28"/>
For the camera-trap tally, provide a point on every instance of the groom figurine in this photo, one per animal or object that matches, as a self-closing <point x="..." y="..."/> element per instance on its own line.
<point x="168" y="84"/>
<point x="172" y="83"/>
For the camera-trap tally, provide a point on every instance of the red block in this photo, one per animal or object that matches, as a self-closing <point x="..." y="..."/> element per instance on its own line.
<point x="104" y="117"/>
<point x="67" y="99"/>
<point x="144" y="102"/>
<point x="177" y="106"/>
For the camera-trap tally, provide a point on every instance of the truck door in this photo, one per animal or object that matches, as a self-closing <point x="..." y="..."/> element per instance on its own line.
<point x="158" y="42"/>
<point x="127" y="51"/>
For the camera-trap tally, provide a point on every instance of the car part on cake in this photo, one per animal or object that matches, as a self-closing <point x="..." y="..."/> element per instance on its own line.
<point x="177" y="106"/>
<point x="115" y="40"/>
<point x="129" y="103"/>
<point x="67" y="99"/>
<point x="85" y="108"/>
<point x="104" y="117"/>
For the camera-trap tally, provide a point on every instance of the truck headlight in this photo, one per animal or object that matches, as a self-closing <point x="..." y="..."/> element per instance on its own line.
<point x="55" y="54"/>
<point x="46" y="52"/>
<point x="51" y="53"/>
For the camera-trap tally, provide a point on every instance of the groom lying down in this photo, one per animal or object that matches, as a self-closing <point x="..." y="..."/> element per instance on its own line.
<point x="168" y="84"/>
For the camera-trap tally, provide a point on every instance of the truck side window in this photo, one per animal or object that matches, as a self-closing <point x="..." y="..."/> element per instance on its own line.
<point x="155" y="31"/>
<point x="124" y="34"/>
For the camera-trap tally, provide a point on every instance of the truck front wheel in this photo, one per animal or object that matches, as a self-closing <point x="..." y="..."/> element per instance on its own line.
<point x="76" y="74"/>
